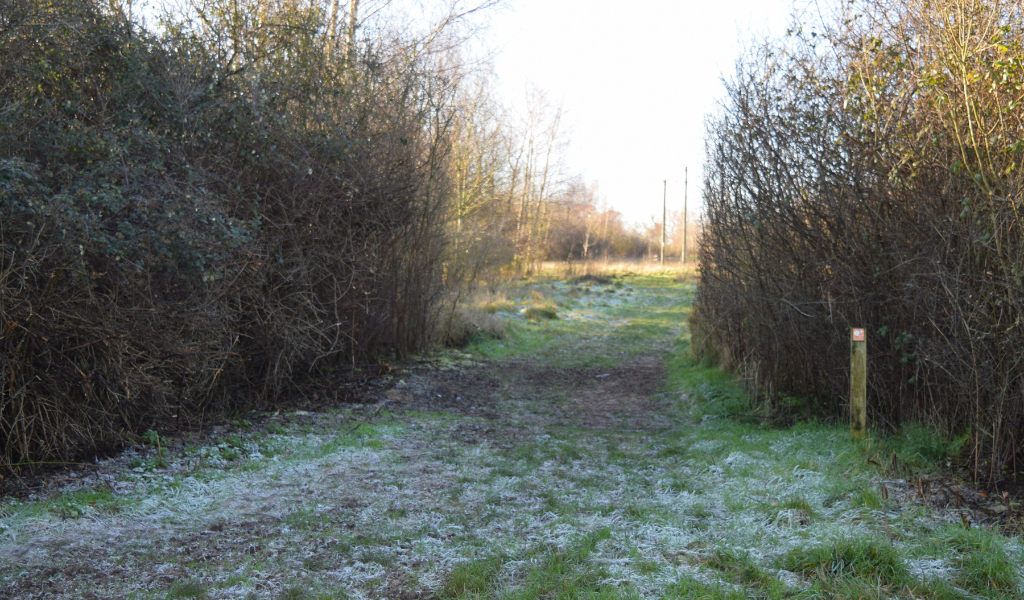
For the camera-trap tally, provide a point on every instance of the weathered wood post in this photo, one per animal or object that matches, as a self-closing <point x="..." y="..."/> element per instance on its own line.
<point x="858" y="384"/>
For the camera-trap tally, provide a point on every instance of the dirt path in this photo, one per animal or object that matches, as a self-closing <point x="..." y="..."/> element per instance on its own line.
<point x="596" y="398"/>
<point x="579" y="458"/>
<point x="320" y="509"/>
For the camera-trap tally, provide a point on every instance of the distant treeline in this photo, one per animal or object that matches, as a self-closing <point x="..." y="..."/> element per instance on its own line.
<point x="865" y="171"/>
<point x="582" y="229"/>
<point x="516" y="203"/>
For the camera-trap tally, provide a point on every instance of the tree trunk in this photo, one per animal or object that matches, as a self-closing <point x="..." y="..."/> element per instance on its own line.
<point x="350" y="33"/>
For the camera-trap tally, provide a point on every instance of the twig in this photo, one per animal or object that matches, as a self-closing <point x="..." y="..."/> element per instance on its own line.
<point x="61" y="462"/>
<point x="367" y="418"/>
<point x="794" y="306"/>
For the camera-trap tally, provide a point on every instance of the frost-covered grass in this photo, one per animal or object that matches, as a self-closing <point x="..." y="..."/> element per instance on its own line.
<point x="705" y="505"/>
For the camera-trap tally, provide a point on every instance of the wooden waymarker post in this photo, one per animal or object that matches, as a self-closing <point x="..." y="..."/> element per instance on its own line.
<point x="858" y="384"/>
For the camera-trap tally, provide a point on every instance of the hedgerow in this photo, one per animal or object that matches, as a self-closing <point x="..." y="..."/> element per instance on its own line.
<point x="191" y="220"/>
<point x="865" y="172"/>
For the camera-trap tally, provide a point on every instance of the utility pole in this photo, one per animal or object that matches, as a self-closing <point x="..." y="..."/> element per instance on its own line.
<point x="686" y="189"/>
<point x="664" y="203"/>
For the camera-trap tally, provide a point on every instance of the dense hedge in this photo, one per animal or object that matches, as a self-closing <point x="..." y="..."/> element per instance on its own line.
<point x="191" y="221"/>
<point x="865" y="172"/>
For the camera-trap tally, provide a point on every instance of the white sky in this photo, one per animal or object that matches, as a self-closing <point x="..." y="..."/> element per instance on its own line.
<point x="635" y="80"/>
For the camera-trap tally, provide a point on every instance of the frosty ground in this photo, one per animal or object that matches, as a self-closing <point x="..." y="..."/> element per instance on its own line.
<point x="586" y="456"/>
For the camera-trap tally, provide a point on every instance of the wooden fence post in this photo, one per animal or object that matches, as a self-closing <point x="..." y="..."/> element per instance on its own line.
<point x="858" y="384"/>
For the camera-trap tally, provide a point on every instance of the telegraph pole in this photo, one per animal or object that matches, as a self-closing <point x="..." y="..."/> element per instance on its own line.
<point x="664" y="204"/>
<point x="686" y="189"/>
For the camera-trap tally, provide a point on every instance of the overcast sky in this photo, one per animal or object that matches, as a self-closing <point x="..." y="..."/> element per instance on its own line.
<point x="635" y="80"/>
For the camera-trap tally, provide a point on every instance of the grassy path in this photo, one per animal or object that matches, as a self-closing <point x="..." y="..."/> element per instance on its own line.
<point x="583" y="457"/>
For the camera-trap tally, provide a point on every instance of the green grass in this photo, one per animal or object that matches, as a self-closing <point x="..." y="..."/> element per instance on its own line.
<point x="711" y="502"/>
<point x="797" y="503"/>
<point x="187" y="589"/>
<point x="523" y="339"/>
<point x="738" y="567"/>
<point x="551" y="338"/>
<point x="710" y="391"/>
<point x="295" y="592"/>
<point x="923" y="448"/>
<point x="566" y="573"/>
<point x="846" y="587"/>
<point x="77" y="504"/>
<point x="689" y="588"/>
<point x="540" y="312"/>
<point x="862" y="558"/>
<point x="866" y="497"/>
<point x="984" y="564"/>
<point x="473" y="578"/>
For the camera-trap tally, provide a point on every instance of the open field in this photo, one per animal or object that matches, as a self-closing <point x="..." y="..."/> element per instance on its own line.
<point x="582" y="454"/>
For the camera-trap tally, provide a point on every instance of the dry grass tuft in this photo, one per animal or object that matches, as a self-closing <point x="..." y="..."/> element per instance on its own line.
<point x="466" y="324"/>
<point x="497" y="305"/>
<point x="536" y="313"/>
<point x="604" y="269"/>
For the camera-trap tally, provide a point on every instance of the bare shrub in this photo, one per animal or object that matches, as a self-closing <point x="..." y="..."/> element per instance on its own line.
<point x="864" y="172"/>
<point x="192" y="221"/>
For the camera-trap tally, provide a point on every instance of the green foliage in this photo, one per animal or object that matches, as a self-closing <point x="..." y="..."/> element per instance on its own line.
<point x="845" y="587"/>
<point x="73" y="505"/>
<point x="796" y="507"/>
<point x="797" y="503"/>
<point x="715" y="392"/>
<point x="230" y="453"/>
<point x="94" y="165"/>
